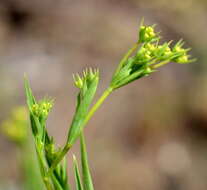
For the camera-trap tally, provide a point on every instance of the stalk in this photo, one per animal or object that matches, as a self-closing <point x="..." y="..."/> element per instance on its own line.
<point x="126" y="56"/>
<point x="43" y="170"/>
<point x="67" y="147"/>
<point x="160" y="64"/>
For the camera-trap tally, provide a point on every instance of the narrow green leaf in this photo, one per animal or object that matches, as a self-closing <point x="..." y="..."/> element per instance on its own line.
<point x="84" y="100"/>
<point x="56" y="183"/>
<point x="28" y="91"/>
<point x="64" y="170"/>
<point x="87" y="180"/>
<point x="130" y="78"/>
<point x="33" y="125"/>
<point x="77" y="175"/>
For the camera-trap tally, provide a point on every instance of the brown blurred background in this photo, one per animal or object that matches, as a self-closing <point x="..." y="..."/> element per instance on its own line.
<point x="150" y="135"/>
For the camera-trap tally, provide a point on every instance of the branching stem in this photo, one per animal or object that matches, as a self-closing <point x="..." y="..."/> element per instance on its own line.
<point x="126" y="56"/>
<point x="67" y="147"/>
<point x="159" y="64"/>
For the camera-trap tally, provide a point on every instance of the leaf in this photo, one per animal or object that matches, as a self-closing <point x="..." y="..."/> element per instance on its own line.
<point x="130" y="78"/>
<point x="62" y="175"/>
<point x="64" y="171"/>
<point x="87" y="180"/>
<point x="28" y="91"/>
<point x="84" y="99"/>
<point x="79" y="185"/>
<point x="35" y="125"/>
<point x="56" y="183"/>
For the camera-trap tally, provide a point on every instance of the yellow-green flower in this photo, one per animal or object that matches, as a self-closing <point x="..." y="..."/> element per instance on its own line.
<point x="15" y="127"/>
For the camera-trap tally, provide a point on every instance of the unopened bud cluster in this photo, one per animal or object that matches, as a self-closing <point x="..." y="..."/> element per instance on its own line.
<point x="182" y="57"/>
<point x="42" y="108"/>
<point x="15" y="127"/>
<point x="147" y="34"/>
<point x="88" y="76"/>
<point x="149" y="56"/>
<point x="153" y="53"/>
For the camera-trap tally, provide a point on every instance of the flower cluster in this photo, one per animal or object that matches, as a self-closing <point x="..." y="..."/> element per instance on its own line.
<point x="15" y="127"/>
<point x="145" y="56"/>
<point x="42" y="108"/>
<point x="182" y="54"/>
<point x="87" y="83"/>
<point x="89" y="75"/>
<point x="147" y="34"/>
<point x="153" y="53"/>
<point x="148" y="57"/>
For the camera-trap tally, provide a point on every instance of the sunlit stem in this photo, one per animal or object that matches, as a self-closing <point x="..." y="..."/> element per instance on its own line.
<point x="67" y="147"/>
<point x="42" y="166"/>
<point x="126" y="56"/>
<point x="106" y="93"/>
<point x="59" y="158"/>
<point x="159" y="64"/>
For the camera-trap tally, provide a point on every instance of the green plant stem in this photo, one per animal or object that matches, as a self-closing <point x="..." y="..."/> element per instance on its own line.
<point x="43" y="170"/>
<point x="59" y="158"/>
<point x="30" y="167"/>
<point x="106" y="93"/>
<point x="66" y="148"/>
<point x="47" y="183"/>
<point x="160" y="64"/>
<point x="126" y="56"/>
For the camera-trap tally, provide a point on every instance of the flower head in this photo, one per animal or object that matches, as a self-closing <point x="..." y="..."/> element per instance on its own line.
<point x="181" y="54"/>
<point x="15" y="127"/>
<point x="147" y="33"/>
<point x="88" y="76"/>
<point x="42" y="108"/>
<point x="87" y="83"/>
<point x="143" y="60"/>
<point x="143" y="55"/>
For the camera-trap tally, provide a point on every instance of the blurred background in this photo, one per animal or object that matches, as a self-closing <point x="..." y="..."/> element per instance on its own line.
<point x="149" y="135"/>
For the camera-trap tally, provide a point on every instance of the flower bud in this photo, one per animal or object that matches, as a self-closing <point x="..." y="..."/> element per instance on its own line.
<point x="78" y="81"/>
<point x="42" y="108"/>
<point x="147" y="34"/>
<point x="182" y="59"/>
<point x="35" y="109"/>
<point x="150" y="47"/>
